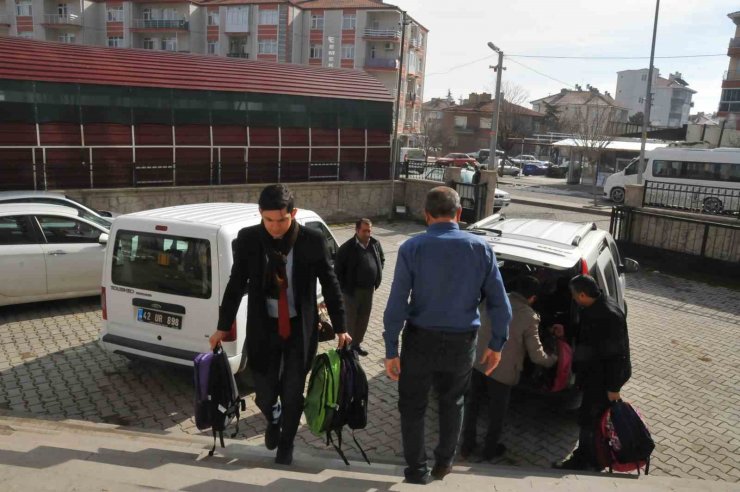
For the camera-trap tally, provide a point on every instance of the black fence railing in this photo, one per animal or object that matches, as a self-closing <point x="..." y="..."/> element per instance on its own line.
<point x="420" y="170"/>
<point x="712" y="200"/>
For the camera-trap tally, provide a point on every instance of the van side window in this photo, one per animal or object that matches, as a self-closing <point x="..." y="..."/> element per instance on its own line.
<point x="15" y="230"/>
<point x="615" y="252"/>
<point x="631" y="169"/>
<point x="318" y="226"/>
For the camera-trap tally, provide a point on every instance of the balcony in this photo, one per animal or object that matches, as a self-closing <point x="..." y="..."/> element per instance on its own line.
<point x="382" y="33"/>
<point x="73" y="20"/>
<point x="731" y="75"/>
<point x="161" y="24"/>
<point x="237" y="55"/>
<point x="381" y="63"/>
<point x="416" y="43"/>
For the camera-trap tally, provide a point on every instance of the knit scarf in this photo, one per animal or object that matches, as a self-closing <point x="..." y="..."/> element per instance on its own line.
<point x="277" y="251"/>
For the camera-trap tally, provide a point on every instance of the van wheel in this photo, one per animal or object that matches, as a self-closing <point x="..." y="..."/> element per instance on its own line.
<point x="712" y="205"/>
<point x="617" y="195"/>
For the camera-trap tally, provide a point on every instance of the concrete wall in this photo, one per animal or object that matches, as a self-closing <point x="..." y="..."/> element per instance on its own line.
<point x="335" y="201"/>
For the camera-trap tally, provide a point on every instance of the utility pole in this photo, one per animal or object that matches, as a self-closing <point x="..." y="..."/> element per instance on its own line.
<point x="394" y="147"/>
<point x="497" y="106"/>
<point x="648" y="98"/>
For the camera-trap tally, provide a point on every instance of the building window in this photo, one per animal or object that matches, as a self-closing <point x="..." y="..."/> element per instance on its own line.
<point x="644" y="77"/>
<point x="146" y="14"/>
<point x="348" y="52"/>
<point x="148" y="44"/>
<point x="67" y="37"/>
<point x="316" y="52"/>
<point x="213" y="17"/>
<point x="115" y="41"/>
<point x="115" y="14"/>
<point x="237" y="18"/>
<point x="349" y="21"/>
<point x="169" y="44"/>
<point x="62" y="9"/>
<point x="317" y="22"/>
<point x="23" y="8"/>
<point x="485" y="123"/>
<point x="26" y="34"/>
<point x="268" y="46"/>
<point x="268" y="17"/>
<point x="461" y="122"/>
<point x="213" y="47"/>
<point x="641" y="100"/>
<point x="238" y="47"/>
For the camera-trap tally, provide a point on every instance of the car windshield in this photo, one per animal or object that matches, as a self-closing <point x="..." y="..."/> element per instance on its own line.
<point x="156" y="262"/>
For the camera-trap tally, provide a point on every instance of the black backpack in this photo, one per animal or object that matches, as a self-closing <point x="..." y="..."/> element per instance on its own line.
<point x="351" y="410"/>
<point x="217" y="400"/>
<point x="623" y="441"/>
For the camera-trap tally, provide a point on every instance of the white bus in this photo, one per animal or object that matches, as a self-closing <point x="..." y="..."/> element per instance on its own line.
<point x="705" y="180"/>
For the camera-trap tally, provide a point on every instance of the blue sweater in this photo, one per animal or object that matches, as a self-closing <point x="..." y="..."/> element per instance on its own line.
<point x="445" y="271"/>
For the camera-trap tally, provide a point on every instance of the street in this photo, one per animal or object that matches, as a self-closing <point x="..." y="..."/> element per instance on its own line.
<point x="685" y="354"/>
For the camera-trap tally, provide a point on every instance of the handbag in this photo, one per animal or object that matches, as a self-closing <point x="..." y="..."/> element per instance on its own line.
<point x="326" y="330"/>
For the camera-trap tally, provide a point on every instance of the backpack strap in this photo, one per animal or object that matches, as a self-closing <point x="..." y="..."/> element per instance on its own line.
<point x="360" y="448"/>
<point x="339" y="447"/>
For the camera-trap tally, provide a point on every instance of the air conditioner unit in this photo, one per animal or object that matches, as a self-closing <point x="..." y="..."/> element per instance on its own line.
<point x="390" y="46"/>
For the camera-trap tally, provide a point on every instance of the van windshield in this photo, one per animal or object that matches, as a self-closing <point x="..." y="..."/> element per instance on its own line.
<point x="160" y="263"/>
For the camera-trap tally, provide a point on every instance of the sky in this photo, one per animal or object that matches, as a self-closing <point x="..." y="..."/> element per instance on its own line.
<point x="458" y="57"/>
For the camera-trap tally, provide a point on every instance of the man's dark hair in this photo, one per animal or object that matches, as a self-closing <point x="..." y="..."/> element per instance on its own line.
<point x="527" y="286"/>
<point x="276" y="197"/>
<point x="359" y="223"/>
<point x="585" y="284"/>
<point x="442" y="202"/>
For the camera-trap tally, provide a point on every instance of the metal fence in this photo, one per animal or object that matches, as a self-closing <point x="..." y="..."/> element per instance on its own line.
<point x="692" y="198"/>
<point x="473" y="201"/>
<point x="420" y="170"/>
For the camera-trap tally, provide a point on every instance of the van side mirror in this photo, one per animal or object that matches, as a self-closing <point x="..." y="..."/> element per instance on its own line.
<point x="103" y="238"/>
<point x="630" y="266"/>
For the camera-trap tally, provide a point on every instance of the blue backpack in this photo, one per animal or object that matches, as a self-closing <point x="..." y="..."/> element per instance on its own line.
<point x="217" y="400"/>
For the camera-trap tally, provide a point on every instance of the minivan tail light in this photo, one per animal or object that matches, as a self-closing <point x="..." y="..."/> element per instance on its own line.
<point x="231" y="335"/>
<point x="584" y="266"/>
<point x="103" y="303"/>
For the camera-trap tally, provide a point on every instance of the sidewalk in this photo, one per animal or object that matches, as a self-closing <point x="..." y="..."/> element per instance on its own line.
<point x="41" y="455"/>
<point x="543" y="199"/>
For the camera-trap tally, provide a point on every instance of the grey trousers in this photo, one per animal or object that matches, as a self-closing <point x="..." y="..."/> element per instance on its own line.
<point x="358" y="305"/>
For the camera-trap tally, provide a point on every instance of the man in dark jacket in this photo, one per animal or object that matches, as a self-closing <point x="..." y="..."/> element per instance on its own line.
<point x="276" y="263"/>
<point x="601" y="363"/>
<point x="359" y="266"/>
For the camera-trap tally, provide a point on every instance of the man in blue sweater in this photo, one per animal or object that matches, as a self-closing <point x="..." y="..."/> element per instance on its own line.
<point x="438" y="283"/>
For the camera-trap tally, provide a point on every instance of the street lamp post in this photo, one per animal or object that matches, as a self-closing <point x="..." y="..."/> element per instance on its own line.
<point x="395" y="141"/>
<point x="648" y="98"/>
<point x="497" y="105"/>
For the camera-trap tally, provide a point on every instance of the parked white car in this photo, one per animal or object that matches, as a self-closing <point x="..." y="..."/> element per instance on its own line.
<point x="102" y="217"/>
<point x="48" y="252"/>
<point x="165" y="275"/>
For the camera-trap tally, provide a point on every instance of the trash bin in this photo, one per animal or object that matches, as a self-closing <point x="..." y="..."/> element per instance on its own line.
<point x="574" y="173"/>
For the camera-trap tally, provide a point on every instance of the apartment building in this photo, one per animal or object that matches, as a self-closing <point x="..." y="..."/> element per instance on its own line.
<point x="671" y="96"/>
<point x="729" y="104"/>
<point x="352" y="34"/>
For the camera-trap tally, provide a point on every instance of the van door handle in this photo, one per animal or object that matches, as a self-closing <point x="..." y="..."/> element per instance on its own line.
<point x="57" y="252"/>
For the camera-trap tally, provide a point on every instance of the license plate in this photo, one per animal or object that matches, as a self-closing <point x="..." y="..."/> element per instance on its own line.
<point x="159" y="318"/>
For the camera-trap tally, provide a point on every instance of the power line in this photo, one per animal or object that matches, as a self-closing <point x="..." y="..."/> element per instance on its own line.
<point x="541" y="73"/>
<point x="451" y="69"/>
<point x="612" y="57"/>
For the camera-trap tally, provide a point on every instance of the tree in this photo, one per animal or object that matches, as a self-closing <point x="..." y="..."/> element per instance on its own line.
<point x="434" y="136"/>
<point x="593" y="129"/>
<point x="551" y="120"/>
<point x="636" y="119"/>
<point x="511" y="123"/>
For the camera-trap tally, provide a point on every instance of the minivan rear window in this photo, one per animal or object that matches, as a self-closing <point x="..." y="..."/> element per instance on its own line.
<point x="162" y="263"/>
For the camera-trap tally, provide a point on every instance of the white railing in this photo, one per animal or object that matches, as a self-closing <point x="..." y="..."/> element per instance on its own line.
<point x="65" y="19"/>
<point x="416" y="43"/>
<point x="160" y="24"/>
<point x="383" y="33"/>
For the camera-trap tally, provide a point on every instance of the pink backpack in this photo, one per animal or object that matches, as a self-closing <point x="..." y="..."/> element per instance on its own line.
<point x="562" y="370"/>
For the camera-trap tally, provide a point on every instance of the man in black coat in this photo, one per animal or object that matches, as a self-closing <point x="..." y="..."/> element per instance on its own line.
<point x="276" y="263"/>
<point x="601" y="363"/>
<point x="359" y="267"/>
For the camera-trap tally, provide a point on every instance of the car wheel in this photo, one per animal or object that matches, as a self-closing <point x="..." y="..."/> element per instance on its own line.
<point x="617" y="195"/>
<point x="713" y="205"/>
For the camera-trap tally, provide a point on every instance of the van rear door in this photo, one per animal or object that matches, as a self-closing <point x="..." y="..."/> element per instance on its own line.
<point x="164" y="285"/>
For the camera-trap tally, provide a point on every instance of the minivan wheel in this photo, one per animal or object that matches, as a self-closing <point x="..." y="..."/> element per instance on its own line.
<point x="617" y="195"/>
<point x="712" y="205"/>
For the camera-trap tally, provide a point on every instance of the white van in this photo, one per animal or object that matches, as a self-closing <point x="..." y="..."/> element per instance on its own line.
<point x="165" y="274"/>
<point x="706" y="180"/>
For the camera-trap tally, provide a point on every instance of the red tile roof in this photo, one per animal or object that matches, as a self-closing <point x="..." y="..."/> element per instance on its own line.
<point x="344" y="4"/>
<point x="24" y="59"/>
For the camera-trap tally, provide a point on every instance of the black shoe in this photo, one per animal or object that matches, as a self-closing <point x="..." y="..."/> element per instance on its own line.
<point x="441" y="471"/>
<point x="573" y="462"/>
<point x="496" y="452"/>
<point x="284" y="455"/>
<point x="360" y="350"/>
<point x="272" y="436"/>
<point x="418" y="479"/>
